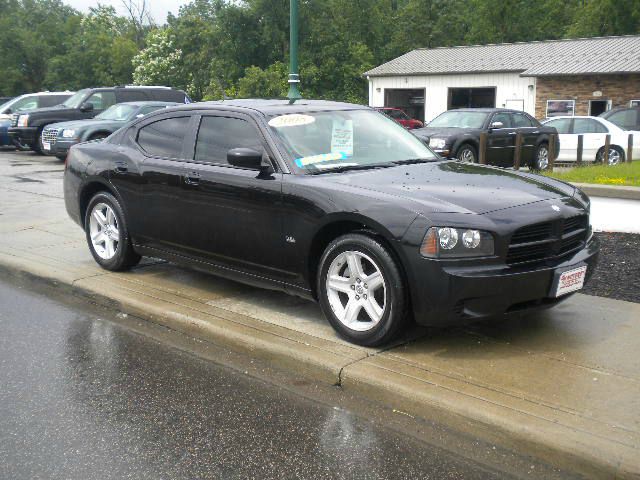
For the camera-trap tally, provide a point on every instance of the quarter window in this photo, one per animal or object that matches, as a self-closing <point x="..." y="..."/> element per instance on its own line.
<point x="164" y="138"/>
<point x="218" y="135"/>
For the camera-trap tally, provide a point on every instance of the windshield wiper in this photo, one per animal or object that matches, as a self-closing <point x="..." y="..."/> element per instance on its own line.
<point x="345" y="168"/>
<point x="411" y="161"/>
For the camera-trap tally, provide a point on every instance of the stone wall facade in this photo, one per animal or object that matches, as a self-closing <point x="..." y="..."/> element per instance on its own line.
<point x="620" y="89"/>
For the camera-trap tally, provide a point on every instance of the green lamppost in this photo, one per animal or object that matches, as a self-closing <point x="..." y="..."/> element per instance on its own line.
<point x="294" y="78"/>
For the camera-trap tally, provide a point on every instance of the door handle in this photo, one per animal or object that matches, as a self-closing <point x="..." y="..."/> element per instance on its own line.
<point x="192" y="178"/>
<point x="121" y="167"/>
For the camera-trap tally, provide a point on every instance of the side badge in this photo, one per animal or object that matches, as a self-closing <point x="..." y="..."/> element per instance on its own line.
<point x="290" y="239"/>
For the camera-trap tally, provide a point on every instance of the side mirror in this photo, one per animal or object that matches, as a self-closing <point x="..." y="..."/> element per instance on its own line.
<point x="248" y="158"/>
<point x="86" y="107"/>
<point x="497" y="125"/>
<point x="8" y="111"/>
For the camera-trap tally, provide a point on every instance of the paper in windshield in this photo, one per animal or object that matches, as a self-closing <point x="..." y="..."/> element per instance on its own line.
<point x="342" y="137"/>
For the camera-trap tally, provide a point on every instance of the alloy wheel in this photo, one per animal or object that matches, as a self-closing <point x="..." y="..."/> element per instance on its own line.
<point x="614" y="156"/>
<point x="468" y="156"/>
<point x="543" y="157"/>
<point x="356" y="290"/>
<point x="104" y="232"/>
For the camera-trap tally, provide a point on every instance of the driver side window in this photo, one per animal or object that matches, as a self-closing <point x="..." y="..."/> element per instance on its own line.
<point x="101" y="100"/>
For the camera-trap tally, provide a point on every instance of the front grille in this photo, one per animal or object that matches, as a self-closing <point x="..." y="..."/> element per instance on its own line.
<point x="50" y="135"/>
<point x="14" y="120"/>
<point x="548" y="240"/>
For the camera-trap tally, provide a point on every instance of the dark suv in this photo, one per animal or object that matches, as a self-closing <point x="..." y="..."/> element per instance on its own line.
<point x="87" y="103"/>
<point x="456" y="134"/>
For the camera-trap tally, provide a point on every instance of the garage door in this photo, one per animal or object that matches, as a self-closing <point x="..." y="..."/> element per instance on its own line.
<point x="411" y="100"/>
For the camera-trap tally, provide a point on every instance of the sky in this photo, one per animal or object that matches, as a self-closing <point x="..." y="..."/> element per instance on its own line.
<point x="158" y="8"/>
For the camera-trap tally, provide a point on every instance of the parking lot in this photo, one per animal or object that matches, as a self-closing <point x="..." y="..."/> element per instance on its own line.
<point x="546" y="379"/>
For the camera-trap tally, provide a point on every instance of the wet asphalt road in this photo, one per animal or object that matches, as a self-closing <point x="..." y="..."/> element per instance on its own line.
<point x="84" y="397"/>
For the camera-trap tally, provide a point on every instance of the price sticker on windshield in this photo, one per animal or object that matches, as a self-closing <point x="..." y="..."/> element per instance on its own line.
<point x="293" y="120"/>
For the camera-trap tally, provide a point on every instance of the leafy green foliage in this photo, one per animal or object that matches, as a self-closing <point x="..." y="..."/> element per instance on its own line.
<point x="225" y="48"/>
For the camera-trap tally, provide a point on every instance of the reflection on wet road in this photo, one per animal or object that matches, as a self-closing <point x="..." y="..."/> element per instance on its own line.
<point x="83" y="398"/>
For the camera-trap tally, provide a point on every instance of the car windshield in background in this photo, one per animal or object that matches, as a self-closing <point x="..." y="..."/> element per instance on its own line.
<point x="459" y="119"/>
<point x="119" y="113"/>
<point x="346" y="139"/>
<point x="75" y="100"/>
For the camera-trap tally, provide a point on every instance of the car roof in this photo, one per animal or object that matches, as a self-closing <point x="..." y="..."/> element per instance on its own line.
<point x="274" y="107"/>
<point x="485" y="110"/>
<point x="149" y="103"/>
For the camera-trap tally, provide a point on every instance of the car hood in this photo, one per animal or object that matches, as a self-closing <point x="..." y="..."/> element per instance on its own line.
<point x="45" y="110"/>
<point x="440" y="132"/>
<point x="455" y="187"/>
<point x="89" y="122"/>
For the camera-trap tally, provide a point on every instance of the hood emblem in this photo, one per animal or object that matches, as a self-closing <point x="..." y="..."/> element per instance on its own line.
<point x="556" y="208"/>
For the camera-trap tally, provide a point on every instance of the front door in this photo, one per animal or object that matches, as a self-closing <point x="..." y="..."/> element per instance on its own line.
<point x="231" y="215"/>
<point x="500" y="140"/>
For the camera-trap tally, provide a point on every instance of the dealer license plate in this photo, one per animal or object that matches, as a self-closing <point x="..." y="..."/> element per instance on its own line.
<point x="46" y="145"/>
<point x="570" y="281"/>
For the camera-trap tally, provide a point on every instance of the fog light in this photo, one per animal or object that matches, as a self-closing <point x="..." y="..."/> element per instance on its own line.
<point x="448" y="237"/>
<point x="471" y="238"/>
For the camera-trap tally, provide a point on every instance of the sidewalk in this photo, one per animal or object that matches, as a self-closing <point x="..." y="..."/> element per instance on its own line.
<point x="563" y="385"/>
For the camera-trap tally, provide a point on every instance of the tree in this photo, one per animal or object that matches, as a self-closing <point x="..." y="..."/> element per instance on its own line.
<point x="159" y="63"/>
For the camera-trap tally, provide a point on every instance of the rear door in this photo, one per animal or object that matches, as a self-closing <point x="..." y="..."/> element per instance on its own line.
<point x="594" y="134"/>
<point x="501" y="140"/>
<point x="530" y="131"/>
<point x="232" y="216"/>
<point x="149" y="177"/>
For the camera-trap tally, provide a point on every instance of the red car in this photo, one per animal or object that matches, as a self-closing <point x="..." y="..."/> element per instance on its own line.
<point x="401" y="117"/>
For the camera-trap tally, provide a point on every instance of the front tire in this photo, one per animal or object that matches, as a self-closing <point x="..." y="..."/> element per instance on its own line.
<point x="107" y="233"/>
<point x="361" y="290"/>
<point x="467" y="153"/>
<point x="37" y="146"/>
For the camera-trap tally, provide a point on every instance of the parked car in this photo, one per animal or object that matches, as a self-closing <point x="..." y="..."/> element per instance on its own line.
<point x="456" y="134"/>
<point x="401" y="117"/>
<point x="87" y="103"/>
<point x="594" y="131"/>
<point x="24" y="103"/>
<point x="57" y="138"/>
<point x="332" y="202"/>
<point x="627" y="118"/>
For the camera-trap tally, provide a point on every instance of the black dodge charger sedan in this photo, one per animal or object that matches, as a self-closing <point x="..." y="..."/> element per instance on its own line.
<point x="332" y="202"/>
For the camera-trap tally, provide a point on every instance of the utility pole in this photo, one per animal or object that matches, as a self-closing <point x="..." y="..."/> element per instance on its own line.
<point x="294" y="78"/>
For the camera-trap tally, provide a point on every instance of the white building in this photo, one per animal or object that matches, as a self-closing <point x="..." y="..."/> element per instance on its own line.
<point x="581" y="76"/>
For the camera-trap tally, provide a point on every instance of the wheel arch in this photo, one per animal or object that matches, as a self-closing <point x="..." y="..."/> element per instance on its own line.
<point x="89" y="190"/>
<point x="464" y="141"/>
<point x="341" y="225"/>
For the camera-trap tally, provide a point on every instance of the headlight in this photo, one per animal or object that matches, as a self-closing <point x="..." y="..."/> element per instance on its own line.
<point x="68" y="133"/>
<point x="23" y="120"/>
<point x="448" y="242"/>
<point x="437" y="143"/>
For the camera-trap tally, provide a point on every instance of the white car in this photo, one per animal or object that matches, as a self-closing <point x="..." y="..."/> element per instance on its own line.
<point x="594" y="130"/>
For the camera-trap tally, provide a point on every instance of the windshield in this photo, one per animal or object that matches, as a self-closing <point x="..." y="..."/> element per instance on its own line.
<point x="459" y="119"/>
<point x="75" y="100"/>
<point x="323" y="141"/>
<point x="119" y="113"/>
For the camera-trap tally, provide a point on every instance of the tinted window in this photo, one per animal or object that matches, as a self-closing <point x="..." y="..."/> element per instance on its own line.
<point x="167" y="95"/>
<point x="562" y="125"/>
<point x="587" y="125"/>
<point x="131" y="95"/>
<point x="504" y="118"/>
<point x="459" y="119"/>
<point x="101" y="100"/>
<point x="164" y="138"/>
<point x="520" y="120"/>
<point x="27" y="103"/>
<point x="52" y="100"/>
<point x="625" y="119"/>
<point x="147" y="110"/>
<point x="218" y="135"/>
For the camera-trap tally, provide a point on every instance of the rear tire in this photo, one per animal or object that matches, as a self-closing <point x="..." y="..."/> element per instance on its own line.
<point x="365" y="299"/>
<point x="541" y="159"/>
<point x="107" y="233"/>
<point x="616" y="155"/>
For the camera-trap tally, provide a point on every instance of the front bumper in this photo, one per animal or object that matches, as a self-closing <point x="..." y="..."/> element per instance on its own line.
<point x="445" y="294"/>
<point x="28" y="135"/>
<point x="61" y="146"/>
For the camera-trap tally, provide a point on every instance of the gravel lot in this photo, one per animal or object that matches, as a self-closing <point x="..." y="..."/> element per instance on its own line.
<point x="618" y="272"/>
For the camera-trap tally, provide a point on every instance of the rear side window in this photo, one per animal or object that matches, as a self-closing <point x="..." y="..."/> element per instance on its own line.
<point x="164" y="138"/>
<point x="102" y="100"/>
<point x="586" y="125"/>
<point x="562" y="125"/>
<point x="167" y="95"/>
<point x="520" y="120"/>
<point x="131" y="95"/>
<point x="218" y="135"/>
<point x="625" y="119"/>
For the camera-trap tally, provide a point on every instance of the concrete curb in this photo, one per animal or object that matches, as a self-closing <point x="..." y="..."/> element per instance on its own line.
<point x="609" y="191"/>
<point x="377" y="375"/>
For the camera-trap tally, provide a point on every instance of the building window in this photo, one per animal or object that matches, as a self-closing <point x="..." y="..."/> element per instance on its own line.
<point x="557" y="108"/>
<point x="634" y="103"/>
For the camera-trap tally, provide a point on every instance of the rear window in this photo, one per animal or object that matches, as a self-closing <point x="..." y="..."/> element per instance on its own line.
<point x="164" y="138"/>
